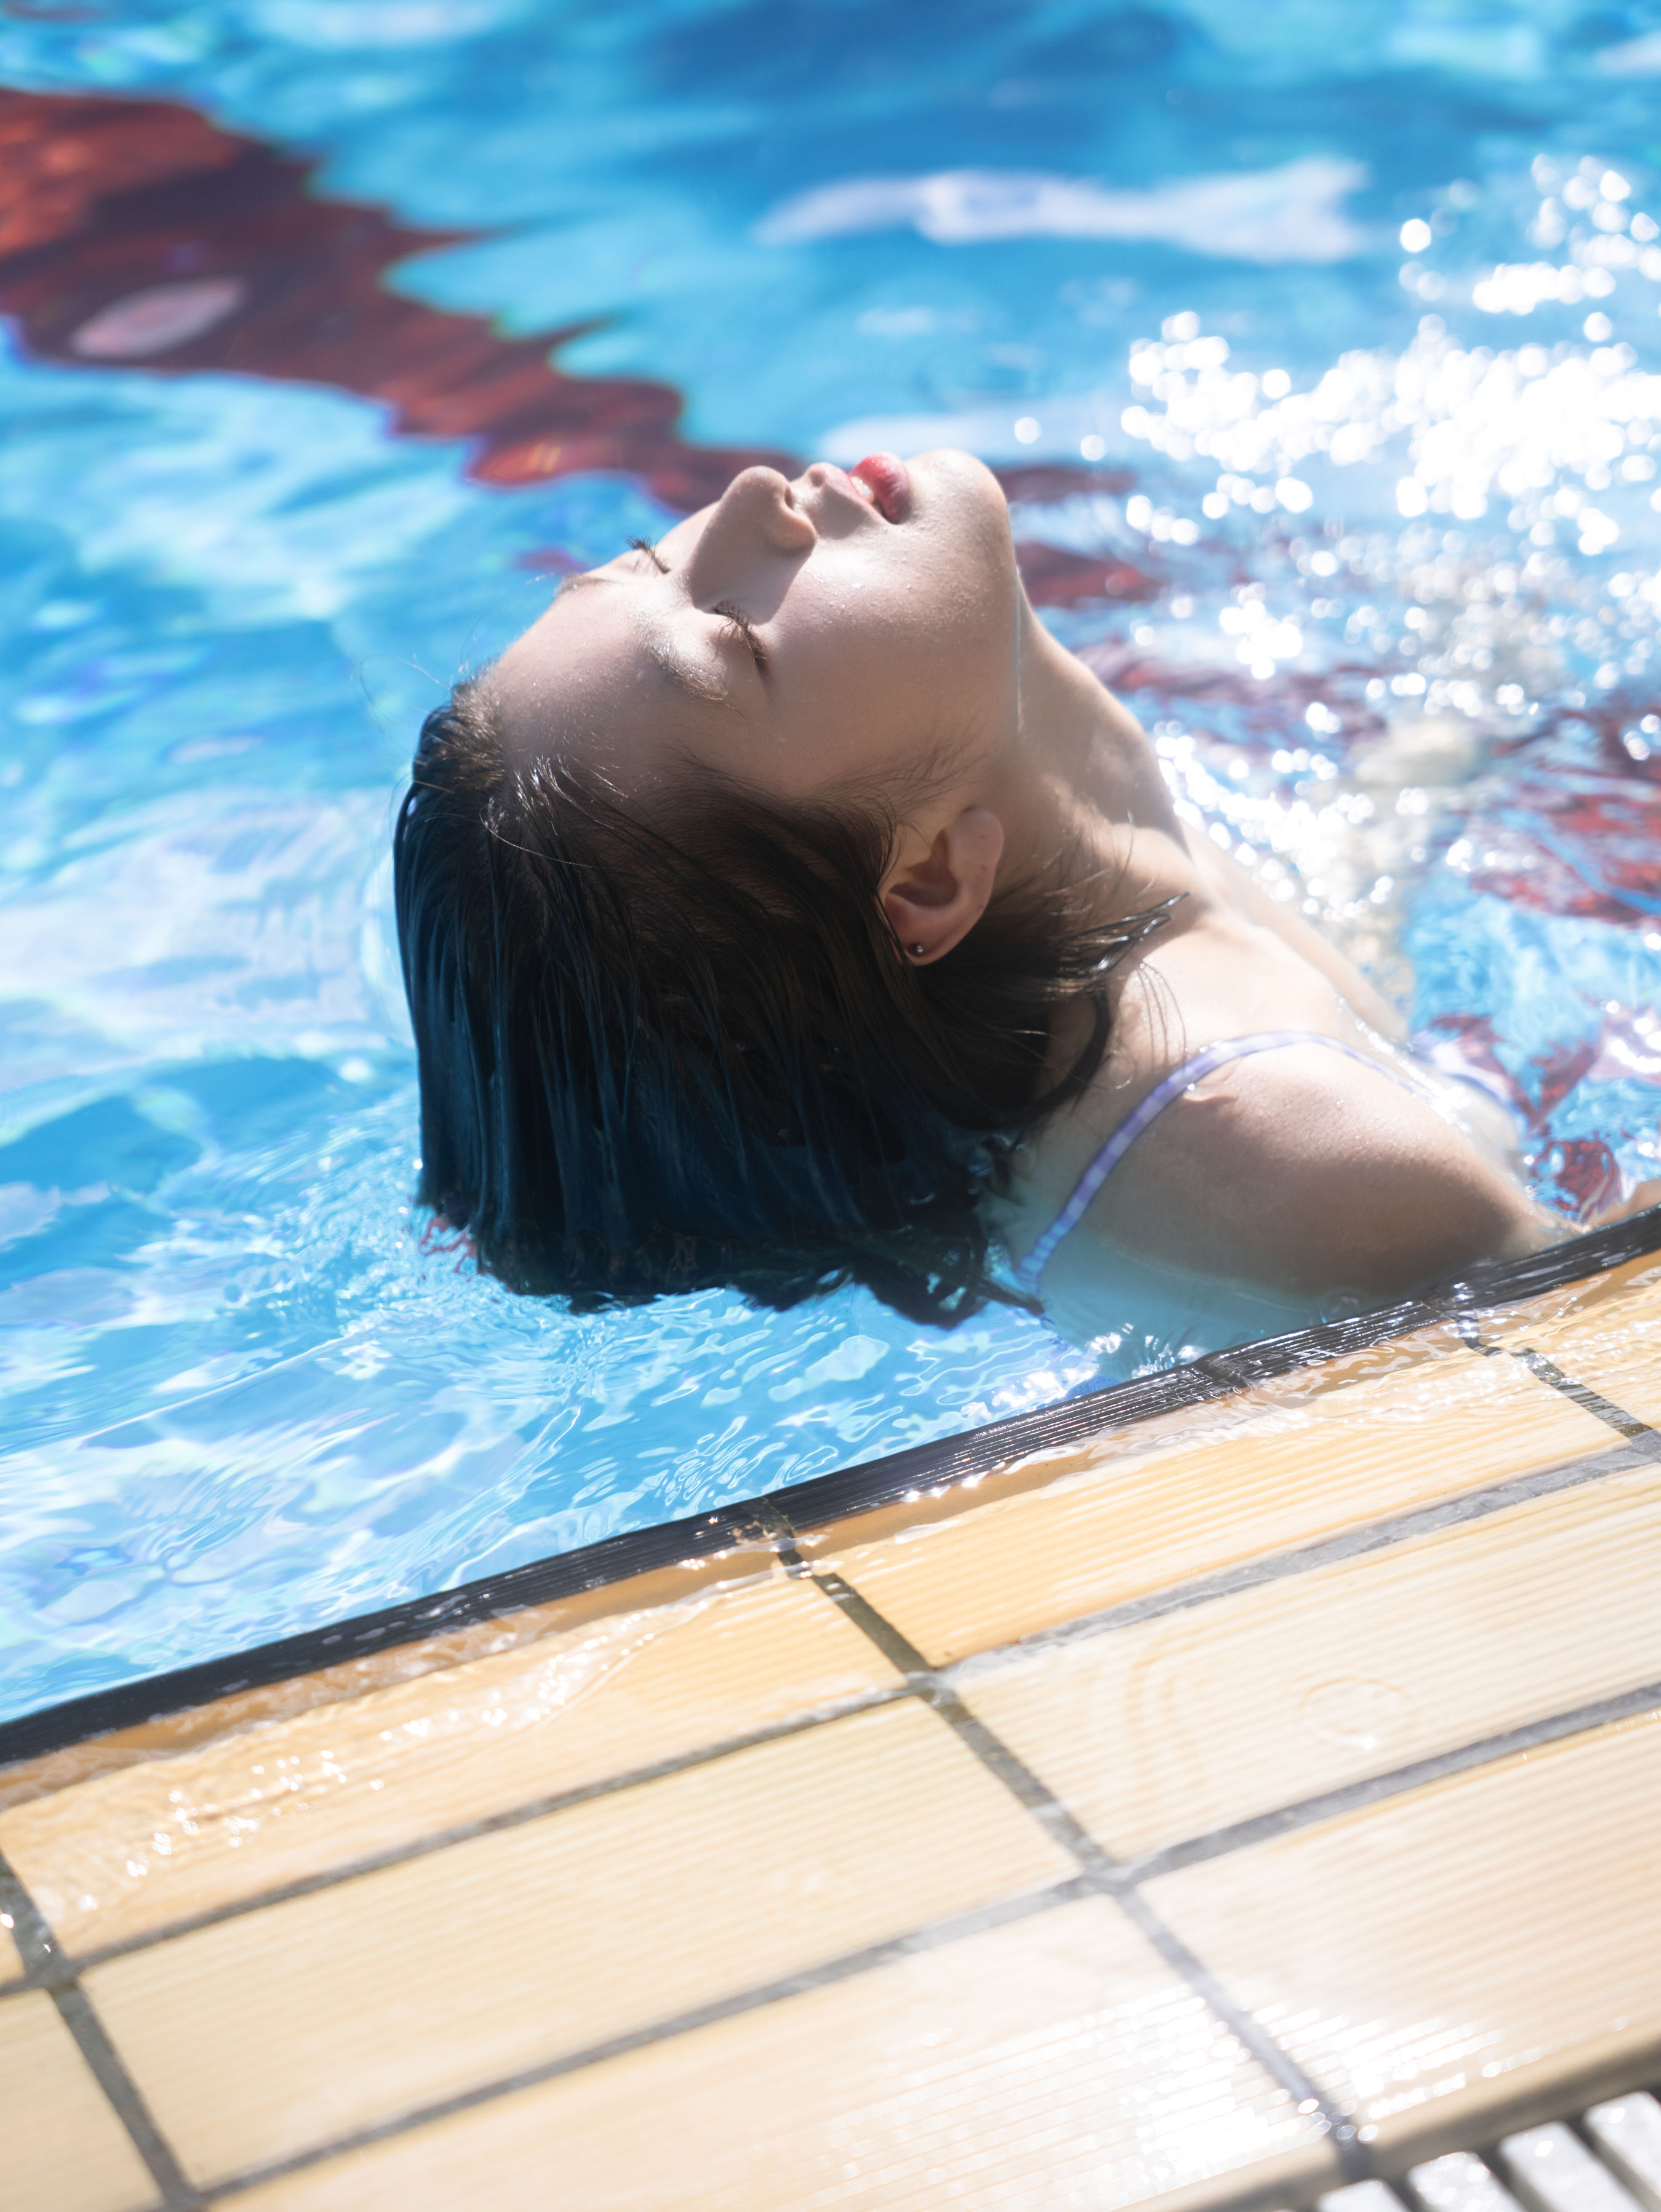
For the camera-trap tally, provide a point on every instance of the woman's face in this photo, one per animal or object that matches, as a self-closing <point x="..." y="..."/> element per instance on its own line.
<point x="832" y="632"/>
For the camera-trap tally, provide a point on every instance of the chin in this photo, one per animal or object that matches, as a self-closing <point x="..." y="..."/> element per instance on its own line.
<point x="951" y="469"/>
<point x="960" y="497"/>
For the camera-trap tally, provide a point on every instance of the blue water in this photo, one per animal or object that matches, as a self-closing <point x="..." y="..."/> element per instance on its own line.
<point x="1393" y="512"/>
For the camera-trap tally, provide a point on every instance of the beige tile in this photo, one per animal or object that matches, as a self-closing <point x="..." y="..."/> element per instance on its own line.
<point x="1186" y="1427"/>
<point x="1612" y="1342"/>
<point x="145" y="1846"/>
<point x="1179" y="1725"/>
<point x="288" y="2027"/>
<point x="355" y="1677"/>
<point x="1050" y="2066"/>
<point x="1440" y="1953"/>
<point x="62" y="2149"/>
<point x="11" y="1960"/>
<point x="1269" y="1470"/>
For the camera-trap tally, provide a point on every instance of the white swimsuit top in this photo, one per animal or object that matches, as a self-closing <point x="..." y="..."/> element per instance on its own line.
<point x="1163" y="1095"/>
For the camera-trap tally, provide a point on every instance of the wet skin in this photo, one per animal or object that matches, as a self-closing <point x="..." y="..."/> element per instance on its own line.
<point x="805" y="641"/>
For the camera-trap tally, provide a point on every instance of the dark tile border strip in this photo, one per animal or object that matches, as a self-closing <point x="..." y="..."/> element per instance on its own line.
<point x="1098" y="1875"/>
<point x="951" y="1680"/>
<point x="49" y="1966"/>
<point x="825" y="1498"/>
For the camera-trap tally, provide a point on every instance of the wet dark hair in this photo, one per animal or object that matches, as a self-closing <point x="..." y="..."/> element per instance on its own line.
<point x="656" y="1061"/>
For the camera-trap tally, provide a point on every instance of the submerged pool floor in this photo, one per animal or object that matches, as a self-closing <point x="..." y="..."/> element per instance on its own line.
<point x="1218" y="1809"/>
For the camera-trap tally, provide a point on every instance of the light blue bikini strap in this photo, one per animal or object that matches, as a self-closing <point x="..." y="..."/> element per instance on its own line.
<point x="1163" y="1095"/>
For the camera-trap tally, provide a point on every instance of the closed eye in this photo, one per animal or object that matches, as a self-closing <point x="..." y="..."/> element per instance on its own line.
<point x="735" y="617"/>
<point x="741" y="622"/>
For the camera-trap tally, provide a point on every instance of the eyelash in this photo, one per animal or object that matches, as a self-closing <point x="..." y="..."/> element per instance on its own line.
<point x="735" y="616"/>
<point x="741" y="622"/>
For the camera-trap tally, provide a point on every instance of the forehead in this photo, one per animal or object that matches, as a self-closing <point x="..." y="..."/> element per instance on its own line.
<point x="580" y="639"/>
<point x="602" y="674"/>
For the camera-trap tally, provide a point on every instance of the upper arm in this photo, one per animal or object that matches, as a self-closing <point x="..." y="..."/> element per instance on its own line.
<point x="1303" y="1172"/>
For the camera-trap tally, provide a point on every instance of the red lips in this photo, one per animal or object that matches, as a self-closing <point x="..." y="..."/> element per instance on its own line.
<point x="884" y="476"/>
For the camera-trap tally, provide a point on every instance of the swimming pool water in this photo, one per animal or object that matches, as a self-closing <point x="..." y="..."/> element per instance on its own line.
<point x="1357" y="515"/>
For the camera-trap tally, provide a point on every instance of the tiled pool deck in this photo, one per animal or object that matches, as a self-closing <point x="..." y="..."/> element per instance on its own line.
<point x="1153" y="1802"/>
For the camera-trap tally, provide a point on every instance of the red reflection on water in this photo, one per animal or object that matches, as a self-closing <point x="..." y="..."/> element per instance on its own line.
<point x="1576" y="826"/>
<point x="1055" y="578"/>
<point x="1272" y="710"/>
<point x="1588" y="1175"/>
<point x="135" y="234"/>
<point x="1591" y="848"/>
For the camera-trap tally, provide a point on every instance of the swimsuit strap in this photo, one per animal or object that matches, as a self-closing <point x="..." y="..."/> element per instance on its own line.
<point x="1163" y="1095"/>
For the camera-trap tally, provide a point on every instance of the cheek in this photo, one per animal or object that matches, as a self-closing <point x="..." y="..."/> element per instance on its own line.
<point x="894" y="661"/>
<point x="895" y="697"/>
<point x="964" y="653"/>
<point x="947" y="625"/>
<point x="963" y="596"/>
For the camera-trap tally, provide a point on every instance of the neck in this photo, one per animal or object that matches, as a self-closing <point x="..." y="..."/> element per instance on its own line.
<point x="1080" y="777"/>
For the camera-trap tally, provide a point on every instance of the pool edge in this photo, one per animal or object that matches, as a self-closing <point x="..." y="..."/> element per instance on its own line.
<point x="859" y="1488"/>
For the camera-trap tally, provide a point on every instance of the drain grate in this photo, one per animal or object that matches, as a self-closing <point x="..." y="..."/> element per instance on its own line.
<point x="1605" y="2160"/>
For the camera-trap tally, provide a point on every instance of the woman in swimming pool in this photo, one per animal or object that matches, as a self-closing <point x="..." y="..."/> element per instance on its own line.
<point x="786" y="906"/>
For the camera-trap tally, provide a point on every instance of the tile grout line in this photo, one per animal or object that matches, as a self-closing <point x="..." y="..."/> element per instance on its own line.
<point x="1203" y="1589"/>
<point x="1208" y="1844"/>
<point x="933" y="1935"/>
<point x="441" y="1839"/>
<point x="1396" y="1781"/>
<point x="1351" y="1543"/>
<point x="1101" y="1873"/>
<point x="1590" y="1401"/>
<point x="47" y="1967"/>
<point x="50" y="1968"/>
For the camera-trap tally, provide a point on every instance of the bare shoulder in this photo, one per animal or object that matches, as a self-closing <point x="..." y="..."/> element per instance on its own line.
<point x="1305" y="1171"/>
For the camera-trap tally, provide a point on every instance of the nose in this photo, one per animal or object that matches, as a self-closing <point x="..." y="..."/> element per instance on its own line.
<point x="757" y="514"/>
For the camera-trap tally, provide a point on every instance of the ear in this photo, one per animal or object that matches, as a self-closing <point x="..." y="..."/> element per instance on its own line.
<point x="933" y="895"/>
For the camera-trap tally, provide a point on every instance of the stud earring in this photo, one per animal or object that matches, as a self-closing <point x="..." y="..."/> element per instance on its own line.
<point x="917" y="952"/>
